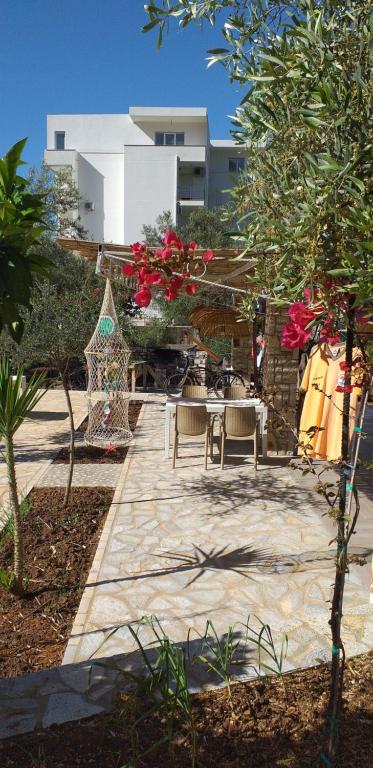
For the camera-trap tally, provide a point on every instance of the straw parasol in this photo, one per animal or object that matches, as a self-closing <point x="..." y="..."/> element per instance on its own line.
<point x="219" y="321"/>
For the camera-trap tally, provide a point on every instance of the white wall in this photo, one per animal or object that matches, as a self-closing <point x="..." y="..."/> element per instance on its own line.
<point x="108" y="133"/>
<point x="150" y="177"/>
<point x="219" y="176"/>
<point x="105" y="190"/>
<point x="95" y="133"/>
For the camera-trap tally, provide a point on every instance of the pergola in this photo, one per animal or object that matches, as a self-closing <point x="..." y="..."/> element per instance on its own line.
<point x="229" y="269"/>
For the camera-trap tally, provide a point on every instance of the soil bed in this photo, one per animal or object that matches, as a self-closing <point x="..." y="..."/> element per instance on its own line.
<point x="269" y="723"/>
<point x="59" y="546"/>
<point x="88" y="454"/>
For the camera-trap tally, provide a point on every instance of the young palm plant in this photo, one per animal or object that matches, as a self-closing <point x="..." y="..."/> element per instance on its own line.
<point x="15" y="407"/>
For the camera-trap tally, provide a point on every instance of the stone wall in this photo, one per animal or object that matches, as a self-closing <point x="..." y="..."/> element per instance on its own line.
<point x="242" y="355"/>
<point x="280" y="379"/>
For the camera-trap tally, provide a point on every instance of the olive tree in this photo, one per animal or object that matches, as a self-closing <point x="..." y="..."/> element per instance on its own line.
<point x="306" y="200"/>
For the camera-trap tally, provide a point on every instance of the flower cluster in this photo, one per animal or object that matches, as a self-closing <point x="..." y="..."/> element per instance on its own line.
<point x="304" y="317"/>
<point x="296" y="333"/>
<point x="156" y="267"/>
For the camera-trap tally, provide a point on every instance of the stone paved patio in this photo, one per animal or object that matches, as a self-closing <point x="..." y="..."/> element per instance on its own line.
<point x="188" y="545"/>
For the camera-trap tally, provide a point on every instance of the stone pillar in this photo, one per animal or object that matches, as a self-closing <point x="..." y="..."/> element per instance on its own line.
<point x="280" y="379"/>
<point x="242" y="359"/>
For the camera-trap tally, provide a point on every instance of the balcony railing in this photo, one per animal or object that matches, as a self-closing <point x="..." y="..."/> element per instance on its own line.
<point x="190" y="192"/>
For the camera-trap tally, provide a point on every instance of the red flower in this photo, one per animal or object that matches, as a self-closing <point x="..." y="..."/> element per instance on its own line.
<point x="343" y="388"/>
<point x="138" y="250"/>
<point x="166" y="254"/>
<point x="293" y="336"/>
<point x="176" y="282"/>
<point x="154" y="278"/>
<point x="170" y="294"/>
<point x="143" y="275"/>
<point x="344" y="366"/>
<point x="172" y="238"/>
<point x="128" y="269"/>
<point x="191" y="289"/>
<point x="328" y="332"/>
<point x="143" y="297"/>
<point x="193" y="245"/>
<point x="300" y="314"/>
<point x="208" y="256"/>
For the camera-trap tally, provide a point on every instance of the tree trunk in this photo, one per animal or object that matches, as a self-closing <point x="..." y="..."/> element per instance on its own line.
<point x="336" y="681"/>
<point x="72" y="440"/>
<point x="17" y="586"/>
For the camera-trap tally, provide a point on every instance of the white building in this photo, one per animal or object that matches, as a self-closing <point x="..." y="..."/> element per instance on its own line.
<point x="130" y="168"/>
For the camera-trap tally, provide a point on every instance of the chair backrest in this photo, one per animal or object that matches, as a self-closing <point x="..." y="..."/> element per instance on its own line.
<point x="196" y="391"/>
<point x="239" y="421"/>
<point x="235" y="393"/>
<point x="191" y="419"/>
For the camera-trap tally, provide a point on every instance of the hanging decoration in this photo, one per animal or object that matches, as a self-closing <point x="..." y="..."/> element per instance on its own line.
<point x="166" y="268"/>
<point x="108" y="397"/>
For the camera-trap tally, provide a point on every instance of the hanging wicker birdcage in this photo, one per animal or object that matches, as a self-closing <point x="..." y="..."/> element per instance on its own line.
<point x="108" y="397"/>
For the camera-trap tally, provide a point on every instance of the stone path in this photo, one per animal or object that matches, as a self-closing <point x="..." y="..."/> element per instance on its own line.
<point x="38" y="441"/>
<point x="188" y="545"/>
<point x="90" y="475"/>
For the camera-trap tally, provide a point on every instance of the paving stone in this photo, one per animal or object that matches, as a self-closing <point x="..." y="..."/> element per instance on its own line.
<point x="189" y="545"/>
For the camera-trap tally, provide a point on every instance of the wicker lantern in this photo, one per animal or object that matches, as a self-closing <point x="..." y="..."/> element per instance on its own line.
<point x="108" y="397"/>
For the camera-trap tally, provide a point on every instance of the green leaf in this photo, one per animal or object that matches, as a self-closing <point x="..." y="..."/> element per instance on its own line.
<point x="313" y="122"/>
<point x="150" y="25"/>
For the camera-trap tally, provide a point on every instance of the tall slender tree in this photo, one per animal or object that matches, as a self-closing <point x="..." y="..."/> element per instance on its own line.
<point x="306" y="200"/>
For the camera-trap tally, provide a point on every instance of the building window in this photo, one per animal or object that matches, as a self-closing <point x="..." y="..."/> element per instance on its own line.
<point x="236" y="164"/>
<point x="59" y="140"/>
<point x="169" y="139"/>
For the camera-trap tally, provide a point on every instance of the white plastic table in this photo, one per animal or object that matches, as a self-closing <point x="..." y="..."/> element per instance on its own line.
<point x="215" y="405"/>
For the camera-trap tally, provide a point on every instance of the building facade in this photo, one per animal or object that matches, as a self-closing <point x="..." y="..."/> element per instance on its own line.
<point x="130" y="168"/>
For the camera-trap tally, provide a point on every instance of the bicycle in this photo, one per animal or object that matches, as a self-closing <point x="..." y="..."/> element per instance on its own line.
<point x="193" y="374"/>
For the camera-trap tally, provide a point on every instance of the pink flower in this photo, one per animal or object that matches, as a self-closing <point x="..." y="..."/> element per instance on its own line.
<point x="166" y="254"/>
<point x="293" y="336"/>
<point x="128" y="269"/>
<point x="170" y="294"/>
<point x="208" y="256"/>
<point x="328" y="333"/>
<point x="154" y="278"/>
<point x="191" y="289"/>
<point x="300" y="314"/>
<point x="309" y="294"/>
<point x="143" y="297"/>
<point x="176" y="282"/>
<point x="143" y="275"/>
<point x="171" y="238"/>
<point x="138" y="250"/>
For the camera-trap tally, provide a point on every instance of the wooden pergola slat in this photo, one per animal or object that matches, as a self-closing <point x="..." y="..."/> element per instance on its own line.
<point x="226" y="270"/>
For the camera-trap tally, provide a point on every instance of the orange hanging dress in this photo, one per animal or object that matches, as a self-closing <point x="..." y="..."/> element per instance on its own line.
<point x="323" y="404"/>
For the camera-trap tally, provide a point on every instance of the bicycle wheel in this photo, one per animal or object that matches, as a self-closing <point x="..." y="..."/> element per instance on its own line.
<point x="227" y="379"/>
<point x="175" y="383"/>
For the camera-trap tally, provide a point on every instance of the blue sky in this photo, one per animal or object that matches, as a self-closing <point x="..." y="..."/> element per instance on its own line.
<point x="89" y="56"/>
